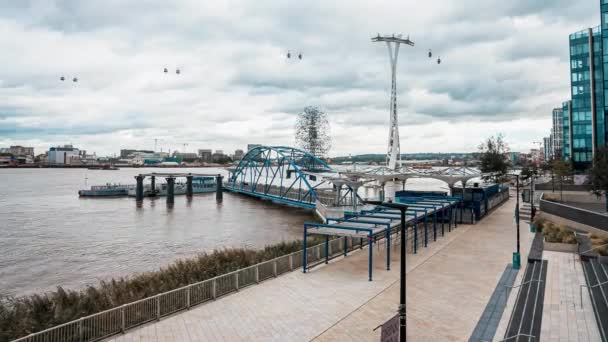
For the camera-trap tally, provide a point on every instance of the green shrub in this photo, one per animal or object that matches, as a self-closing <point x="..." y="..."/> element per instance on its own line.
<point x="20" y="316"/>
<point x="558" y="234"/>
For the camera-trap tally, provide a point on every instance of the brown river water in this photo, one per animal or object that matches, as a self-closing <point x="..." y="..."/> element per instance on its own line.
<point x="50" y="237"/>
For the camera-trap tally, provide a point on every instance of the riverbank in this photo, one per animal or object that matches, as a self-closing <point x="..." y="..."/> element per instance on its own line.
<point x="35" y="166"/>
<point x="51" y="236"/>
<point x="20" y="316"/>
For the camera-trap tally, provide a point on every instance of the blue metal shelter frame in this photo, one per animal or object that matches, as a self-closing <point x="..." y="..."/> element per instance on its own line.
<point x="266" y="172"/>
<point x="420" y="210"/>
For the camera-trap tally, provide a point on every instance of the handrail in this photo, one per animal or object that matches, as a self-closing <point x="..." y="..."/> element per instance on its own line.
<point x="589" y="250"/>
<point x="510" y="337"/>
<point x="516" y="286"/>
<point x="522" y="284"/>
<point x="78" y="323"/>
<point x="589" y="287"/>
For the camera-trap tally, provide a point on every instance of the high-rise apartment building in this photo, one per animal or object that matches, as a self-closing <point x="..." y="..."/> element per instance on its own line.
<point x="585" y="124"/>
<point x="547" y="148"/>
<point x="557" y="133"/>
<point x="586" y="79"/>
<point x="205" y="155"/>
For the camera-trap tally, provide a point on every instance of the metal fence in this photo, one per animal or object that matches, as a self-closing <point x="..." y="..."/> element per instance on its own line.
<point x="117" y="320"/>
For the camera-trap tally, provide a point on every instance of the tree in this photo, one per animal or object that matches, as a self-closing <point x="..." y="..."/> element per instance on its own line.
<point x="598" y="174"/>
<point x="561" y="169"/>
<point x="492" y="157"/>
<point x="312" y="132"/>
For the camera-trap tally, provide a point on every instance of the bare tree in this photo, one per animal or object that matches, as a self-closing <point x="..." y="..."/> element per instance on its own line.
<point x="312" y="132"/>
<point x="599" y="174"/>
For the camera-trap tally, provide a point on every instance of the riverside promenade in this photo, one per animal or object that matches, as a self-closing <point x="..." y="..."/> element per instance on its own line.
<point x="448" y="286"/>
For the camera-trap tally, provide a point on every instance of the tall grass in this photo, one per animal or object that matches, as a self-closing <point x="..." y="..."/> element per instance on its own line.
<point x="20" y="316"/>
<point x="599" y="244"/>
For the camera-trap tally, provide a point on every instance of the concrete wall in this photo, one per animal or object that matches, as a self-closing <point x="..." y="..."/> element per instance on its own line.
<point x="574" y="217"/>
<point x="566" y="187"/>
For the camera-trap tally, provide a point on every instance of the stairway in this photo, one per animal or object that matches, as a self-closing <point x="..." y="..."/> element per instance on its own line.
<point x="526" y="317"/>
<point x="596" y="275"/>
<point x="525" y="212"/>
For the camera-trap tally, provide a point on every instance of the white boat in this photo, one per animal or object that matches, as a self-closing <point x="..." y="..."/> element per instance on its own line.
<point x="108" y="190"/>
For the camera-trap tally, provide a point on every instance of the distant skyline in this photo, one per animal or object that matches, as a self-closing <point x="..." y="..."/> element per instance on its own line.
<point x="504" y="68"/>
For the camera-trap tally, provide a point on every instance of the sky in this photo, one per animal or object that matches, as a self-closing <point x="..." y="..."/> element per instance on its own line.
<point x="504" y="67"/>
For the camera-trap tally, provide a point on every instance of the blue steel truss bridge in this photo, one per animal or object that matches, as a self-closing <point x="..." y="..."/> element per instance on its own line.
<point x="285" y="175"/>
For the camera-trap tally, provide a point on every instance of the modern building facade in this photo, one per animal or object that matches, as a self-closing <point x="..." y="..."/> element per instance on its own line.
<point x="238" y="154"/>
<point x="63" y="155"/>
<point x="587" y="94"/>
<point x="548" y="148"/>
<point x="205" y="155"/>
<point x="557" y="133"/>
<point x="21" y="151"/>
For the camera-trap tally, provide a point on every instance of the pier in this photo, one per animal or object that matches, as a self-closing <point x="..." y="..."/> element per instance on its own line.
<point x="170" y="179"/>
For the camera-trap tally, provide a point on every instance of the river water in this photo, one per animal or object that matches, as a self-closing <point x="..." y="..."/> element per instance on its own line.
<point x="50" y="237"/>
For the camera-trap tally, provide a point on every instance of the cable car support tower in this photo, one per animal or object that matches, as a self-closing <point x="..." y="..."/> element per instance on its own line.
<point x="394" y="150"/>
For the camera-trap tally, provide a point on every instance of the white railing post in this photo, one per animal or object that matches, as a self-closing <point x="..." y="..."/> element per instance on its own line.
<point x="291" y="262"/>
<point x="80" y="332"/>
<point x="236" y="280"/>
<point x="329" y="249"/>
<point x="274" y="267"/>
<point x="257" y="273"/>
<point x="213" y="286"/>
<point x="122" y="318"/>
<point x="188" y="297"/>
<point x="158" y="308"/>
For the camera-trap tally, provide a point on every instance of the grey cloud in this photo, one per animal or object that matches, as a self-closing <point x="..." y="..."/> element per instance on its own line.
<point x="236" y="81"/>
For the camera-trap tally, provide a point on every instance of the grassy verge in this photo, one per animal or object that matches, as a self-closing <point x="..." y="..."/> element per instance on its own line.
<point x="20" y="316"/>
<point x="554" y="233"/>
<point x="597" y="241"/>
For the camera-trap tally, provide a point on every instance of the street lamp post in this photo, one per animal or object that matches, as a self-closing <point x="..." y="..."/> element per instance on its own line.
<point x="517" y="255"/>
<point x="532" y="207"/>
<point x="402" y="275"/>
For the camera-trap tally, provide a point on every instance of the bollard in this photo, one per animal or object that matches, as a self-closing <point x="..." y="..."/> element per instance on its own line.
<point x="153" y="185"/>
<point x="189" y="190"/>
<point x="139" y="188"/>
<point x="170" y="190"/>
<point x="218" y="192"/>
<point x="516" y="260"/>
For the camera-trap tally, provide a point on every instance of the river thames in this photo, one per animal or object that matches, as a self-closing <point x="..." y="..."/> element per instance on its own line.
<point x="50" y="237"/>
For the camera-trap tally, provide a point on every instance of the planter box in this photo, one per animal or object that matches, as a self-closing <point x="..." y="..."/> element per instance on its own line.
<point x="560" y="247"/>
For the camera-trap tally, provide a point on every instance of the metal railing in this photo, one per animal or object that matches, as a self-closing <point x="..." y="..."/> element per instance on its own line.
<point x="507" y="287"/>
<point x="589" y="287"/>
<point x="117" y="320"/>
<point x="514" y="336"/>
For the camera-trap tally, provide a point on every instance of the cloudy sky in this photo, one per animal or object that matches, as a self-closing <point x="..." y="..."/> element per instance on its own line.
<point x="505" y="66"/>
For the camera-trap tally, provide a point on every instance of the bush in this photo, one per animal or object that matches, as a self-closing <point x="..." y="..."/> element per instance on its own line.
<point x="20" y="316"/>
<point x="539" y="223"/>
<point x="558" y="234"/>
<point x="597" y="241"/>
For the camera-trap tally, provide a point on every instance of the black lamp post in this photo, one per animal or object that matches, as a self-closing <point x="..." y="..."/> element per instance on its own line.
<point x="532" y="207"/>
<point x="517" y="255"/>
<point x="402" y="312"/>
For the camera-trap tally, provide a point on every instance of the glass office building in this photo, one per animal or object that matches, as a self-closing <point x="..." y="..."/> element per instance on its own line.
<point x="587" y="92"/>
<point x="567" y="142"/>
<point x="557" y="133"/>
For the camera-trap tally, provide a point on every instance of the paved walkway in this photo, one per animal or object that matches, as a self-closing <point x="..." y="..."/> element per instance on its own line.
<point x="563" y="317"/>
<point x="449" y="285"/>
